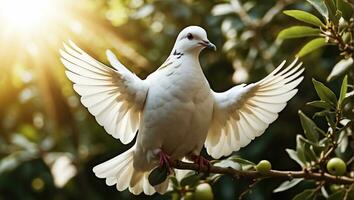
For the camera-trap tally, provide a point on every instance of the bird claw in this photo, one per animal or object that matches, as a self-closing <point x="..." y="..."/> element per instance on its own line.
<point x="164" y="160"/>
<point x="200" y="161"/>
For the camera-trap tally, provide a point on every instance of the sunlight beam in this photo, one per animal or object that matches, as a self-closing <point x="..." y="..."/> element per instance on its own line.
<point x="25" y="14"/>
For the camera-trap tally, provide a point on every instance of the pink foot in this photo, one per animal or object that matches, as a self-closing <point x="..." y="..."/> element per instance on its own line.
<point x="200" y="161"/>
<point x="164" y="160"/>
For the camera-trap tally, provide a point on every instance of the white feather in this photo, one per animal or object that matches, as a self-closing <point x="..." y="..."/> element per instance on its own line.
<point x="250" y="109"/>
<point x="104" y="91"/>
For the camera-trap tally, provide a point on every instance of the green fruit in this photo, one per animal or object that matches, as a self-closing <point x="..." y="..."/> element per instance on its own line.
<point x="336" y="166"/>
<point x="334" y="187"/>
<point x="188" y="196"/>
<point x="203" y="192"/>
<point x="264" y="166"/>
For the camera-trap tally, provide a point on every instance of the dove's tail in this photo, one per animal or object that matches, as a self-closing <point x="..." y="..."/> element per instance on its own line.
<point x="120" y="171"/>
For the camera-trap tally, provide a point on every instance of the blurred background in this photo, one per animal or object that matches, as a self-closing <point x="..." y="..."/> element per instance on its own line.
<point x="49" y="142"/>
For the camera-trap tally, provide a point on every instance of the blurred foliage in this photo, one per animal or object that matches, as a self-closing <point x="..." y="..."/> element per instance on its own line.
<point x="49" y="142"/>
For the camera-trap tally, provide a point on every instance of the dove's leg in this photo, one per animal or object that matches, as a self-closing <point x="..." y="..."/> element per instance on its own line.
<point x="164" y="159"/>
<point x="200" y="161"/>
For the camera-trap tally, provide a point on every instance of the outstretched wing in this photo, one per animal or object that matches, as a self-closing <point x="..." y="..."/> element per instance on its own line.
<point x="245" y="111"/>
<point x="114" y="96"/>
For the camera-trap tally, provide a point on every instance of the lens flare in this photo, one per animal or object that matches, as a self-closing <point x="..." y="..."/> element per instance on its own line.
<point x="25" y="14"/>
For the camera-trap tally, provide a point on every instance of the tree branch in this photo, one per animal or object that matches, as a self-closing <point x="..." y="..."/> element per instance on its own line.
<point x="272" y="174"/>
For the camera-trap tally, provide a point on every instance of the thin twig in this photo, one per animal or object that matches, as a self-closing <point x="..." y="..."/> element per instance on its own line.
<point x="350" y="160"/>
<point x="271" y="13"/>
<point x="241" y="12"/>
<point x="318" y="189"/>
<point x="334" y="143"/>
<point x="347" y="192"/>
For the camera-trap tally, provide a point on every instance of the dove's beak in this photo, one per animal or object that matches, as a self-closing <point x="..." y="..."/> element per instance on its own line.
<point x="208" y="45"/>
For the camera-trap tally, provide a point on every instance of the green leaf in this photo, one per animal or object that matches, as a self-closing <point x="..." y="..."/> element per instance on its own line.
<point x="213" y="178"/>
<point x="331" y="117"/>
<point x="339" y="195"/>
<point x="320" y="7"/>
<point x="309" y="127"/>
<point x="311" y="46"/>
<point x="346" y="37"/>
<point x="324" y="192"/>
<point x="325" y="93"/>
<point x="298" y="32"/>
<point x="241" y="161"/>
<point x="287" y="185"/>
<point x="345" y="8"/>
<point x="343" y="141"/>
<point x="346" y="123"/>
<point x="174" y="181"/>
<point x="305" y="195"/>
<point x="303" y="139"/>
<point x="228" y="163"/>
<point x="332" y="10"/>
<point x="310" y="155"/>
<point x="314" y="152"/>
<point x="323" y="113"/>
<point x="349" y="97"/>
<point x="319" y="104"/>
<point x="158" y="175"/>
<point x="322" y="132"/>
<point x="343" y="91"/>
<point x="190" y="179"/>
<point x="300" y="149"/>
<point x="304" y="16"/>
<point x="294" y="156"/>
<point x="337" y="16"/>
<point x="340" y="68"/>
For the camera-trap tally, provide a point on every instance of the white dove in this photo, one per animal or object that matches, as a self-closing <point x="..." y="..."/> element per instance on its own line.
<point x="174" y="109"/>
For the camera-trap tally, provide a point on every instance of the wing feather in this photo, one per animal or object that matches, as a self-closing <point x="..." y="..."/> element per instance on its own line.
<point x="245" y="111"/>
<point x="114" y="96"/>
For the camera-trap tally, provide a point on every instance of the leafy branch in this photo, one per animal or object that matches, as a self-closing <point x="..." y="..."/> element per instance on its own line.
<point x="335" y="28"/>
<point x="253" y="174"/>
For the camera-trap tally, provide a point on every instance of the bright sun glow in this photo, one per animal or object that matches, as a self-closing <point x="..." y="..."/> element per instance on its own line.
<point x="25" y="14"/>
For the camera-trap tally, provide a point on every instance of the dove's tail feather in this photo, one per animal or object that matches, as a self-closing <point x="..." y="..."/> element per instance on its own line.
<point x="120" y="171"/>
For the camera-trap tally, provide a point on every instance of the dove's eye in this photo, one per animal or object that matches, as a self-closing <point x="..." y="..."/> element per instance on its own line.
<point x="190" y="36"/>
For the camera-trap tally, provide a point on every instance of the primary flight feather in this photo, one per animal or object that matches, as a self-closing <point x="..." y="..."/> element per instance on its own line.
<point x="174" y="109"/>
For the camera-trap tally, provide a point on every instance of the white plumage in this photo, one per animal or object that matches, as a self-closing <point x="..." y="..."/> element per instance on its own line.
<point x="174" y="108"/>
<point x="245" y="111"/>
<point x="113" y="97"/>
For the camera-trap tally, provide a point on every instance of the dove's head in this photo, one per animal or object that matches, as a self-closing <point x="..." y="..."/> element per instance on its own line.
<point x="192" y="39"/>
